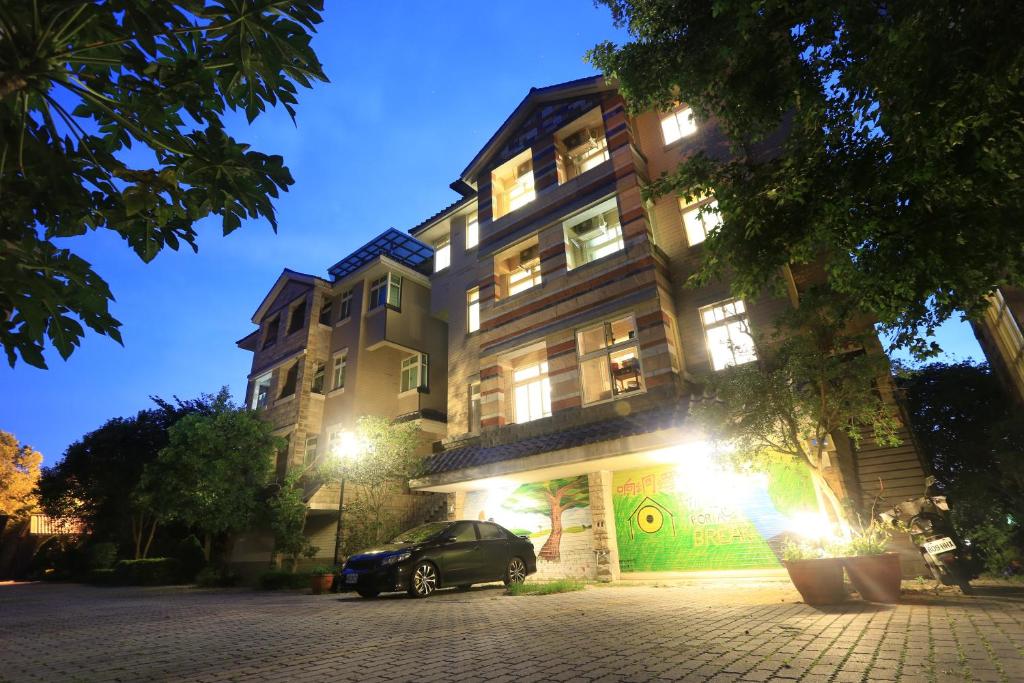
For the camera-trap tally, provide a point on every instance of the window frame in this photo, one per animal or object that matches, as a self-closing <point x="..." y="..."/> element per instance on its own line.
<point x="696" y="210"/>
<point x="474" y="417"/>
<point x="340" y="363"/>
<point x="306" y="459"/>
<point x="473" y="220"/>
<point x="443" y="245"/>
<point x="738" y="316"/>
<point x="290" y="383"/>
<point x="609" y="348"/>
<point x="326" y="311"/>
<point x="274" y="324"/>
<point x="296" y="324"/>
<point x="501" y="190"/>
<point x="542" y="380"/>
<point x="674" y="116"/>
<point x="319" y="373"/>
<point x="268" y="377"/>
<point x="422" y="366"/>
<point x="571" y="247"/>
<point x="345" y="308"/>
<point x="472" y="305"/>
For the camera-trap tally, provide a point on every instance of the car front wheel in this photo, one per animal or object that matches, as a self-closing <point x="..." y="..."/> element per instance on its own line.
<point x="516" y="571"/>
<point x="423" y="581"/>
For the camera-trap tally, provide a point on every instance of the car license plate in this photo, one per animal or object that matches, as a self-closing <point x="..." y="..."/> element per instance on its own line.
<point x="351" y="578"/>
<point x="941" y="545"/>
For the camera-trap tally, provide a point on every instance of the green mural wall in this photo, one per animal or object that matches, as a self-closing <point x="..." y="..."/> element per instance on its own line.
<point x="699" y="517"/>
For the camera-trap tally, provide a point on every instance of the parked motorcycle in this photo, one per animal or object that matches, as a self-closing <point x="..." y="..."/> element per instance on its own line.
<point x="927" y="520"/>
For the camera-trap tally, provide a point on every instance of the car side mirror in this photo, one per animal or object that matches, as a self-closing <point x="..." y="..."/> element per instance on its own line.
<point x="449" y="539"/>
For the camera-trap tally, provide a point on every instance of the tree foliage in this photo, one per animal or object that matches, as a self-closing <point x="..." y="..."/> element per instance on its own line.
<point x="19" y="473"/>
<point x="884" y="138"/>
<point x="286" y="516"/>
<point x="82" y="84"/>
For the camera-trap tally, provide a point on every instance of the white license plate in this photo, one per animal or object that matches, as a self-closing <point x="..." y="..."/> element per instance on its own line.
<point x="351" y="578"/>
<point x="941" y="545"/>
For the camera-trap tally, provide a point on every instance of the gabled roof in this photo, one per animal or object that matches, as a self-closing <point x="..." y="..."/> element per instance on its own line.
<point x="392" y="243"/>
<point x="443" y="213"/>
<point x="284" y="278"/>
<point x="580" y="86"/>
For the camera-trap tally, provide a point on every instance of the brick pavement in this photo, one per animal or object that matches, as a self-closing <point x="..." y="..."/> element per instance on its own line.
<point x="698" y="632"/>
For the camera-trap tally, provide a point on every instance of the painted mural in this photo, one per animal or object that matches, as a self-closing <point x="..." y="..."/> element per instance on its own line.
<point x="554" y="514"/>
<point x="702" y="517"/>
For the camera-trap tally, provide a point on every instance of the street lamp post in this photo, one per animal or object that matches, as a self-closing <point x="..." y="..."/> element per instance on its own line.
<point x="347" y="449"/>
<point x="341" y="520"/>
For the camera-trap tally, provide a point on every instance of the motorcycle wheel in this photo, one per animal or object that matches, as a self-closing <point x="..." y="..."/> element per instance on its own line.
<point x="965" y="587"/>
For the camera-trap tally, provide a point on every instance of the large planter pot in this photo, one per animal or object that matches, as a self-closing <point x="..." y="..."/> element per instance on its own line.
<point x="321" y="583"/>
<point x="876" y="577"/>
<point x="820" y="582"/>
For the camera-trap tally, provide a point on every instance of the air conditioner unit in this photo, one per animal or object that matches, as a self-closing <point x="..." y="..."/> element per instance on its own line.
<point x="523" y="169"/>
<point x="528" y="256"/>
<point x="583" y="138"/>
<point x="589" y="229"/>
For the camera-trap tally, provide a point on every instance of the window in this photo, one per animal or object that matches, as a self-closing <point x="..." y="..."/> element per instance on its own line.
<point x="462" y="532"/>
<point x="531" y="390"/>
<point x="512" y="184"/>
<point x="678" y="124"/>
<point x="700" y="220"/>
<point x="490" y="532"/>
<point x="346" y="306"/>
<point x="580" y="146"/>
<point x="473" y="309"/>
<point x="728" y="334"/>
<point x="442" y="253"/>
<point x="474" y="407"/>
<point x="609" y="358"/>
<point x="298" y="317"/>
<point x="319" y="370"/>
<point x="415" y="372"/>
<point x="325" y="311"/>
<point x="472" y="231"/>
<point x="270" y="337"/>
<point x="518" y="268"/>
<point x="386" y="290"/>
<point x="311" y="447"/>
<point x="291" y="378"/>
<point x="338" y="374"/>
<point x="261" y="391"/>
<point x="593" y="234"/>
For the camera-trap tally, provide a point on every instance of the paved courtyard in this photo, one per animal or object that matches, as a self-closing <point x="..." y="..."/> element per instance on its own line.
<point x="742" y="631"/>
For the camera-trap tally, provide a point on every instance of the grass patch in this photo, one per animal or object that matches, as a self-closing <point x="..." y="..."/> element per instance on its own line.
<point x="546" y="587"/>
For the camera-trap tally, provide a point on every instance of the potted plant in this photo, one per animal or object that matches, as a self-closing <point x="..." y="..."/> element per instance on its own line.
<point x="875" y="573"/>
<point x="818" y="578"/>
<point x="320" y="580"/>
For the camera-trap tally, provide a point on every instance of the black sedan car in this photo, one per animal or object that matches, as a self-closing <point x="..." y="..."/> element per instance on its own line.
<point x="438" y="555"/>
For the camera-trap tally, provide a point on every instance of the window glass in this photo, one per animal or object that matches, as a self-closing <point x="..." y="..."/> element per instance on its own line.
<point x="591" y="339"/>
<point x="261" y="391"/>
<point x="472" y="231"/>
<point x="700" y="220"/>
<point x="290" y="380"/>
<point x="580" y="146"/>
<point x="727" y="331"/>
<point x="531" y="392"/>
<point x="678" y="124"/>
<point x="512" y="184"/>
<point x="325" y="311"/>
<point x="311" y="446"/>
<point x="270" y="337"/>
<point x="378" y="292"/>
<point x="414" y="372"/>
<point x="609" y="360"/>
<point x="593" y="234"/>
<point x="340" y="361"/>
<point x="596" y="379"/>
<point x="518" y="267"/>
<point x="442" y="253"/>
<point x="463" y="531"/>
<point x="346" y="305"/>
<point x="473" y="309"/>
<point x="298" y="318"/>
<point x="395" y="290"/>
<point x="319" y="370"/>
<point x="474" y="407"/>
<point x="490" y="532"/>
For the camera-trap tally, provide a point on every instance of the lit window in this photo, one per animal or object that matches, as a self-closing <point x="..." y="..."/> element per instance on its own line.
<point x="325" y="311"/>
<point x="518" y="268"/>
<point x="415" y="372"/>
<point x="473" y="309"/>
<point x="338" y="374"/>
<point x="531" y="390"/>
<point x="298" y="317"/>
<point x="593" y="234"/>
<point x="700" y="220"/>
<point x="261" y="391"/>
<point x="581" y="146"/>
<point x="472" y="232"/>
<point x="311" y="447"/>
<point x="474" y="407"/>
<point x="678" y="124"/>
<point x="512" y="184"/>
<point x="291" y="378"/>
<point x="442" y="253"/>
<point x="728" y="334"/>
<point x="319" y="371"/>
<point x="386" y="290"/>
<point x="346" y="306"/>
<point x="270" y="336"/>
<point x="609" y="358"/>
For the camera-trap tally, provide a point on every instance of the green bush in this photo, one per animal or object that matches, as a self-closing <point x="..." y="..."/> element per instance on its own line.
<point x="156" y="571"/>
<point x="100" y="556"/>
<point x="995" y="544"/>
<point x="191" y="560"/>
<point x="215" y="577"/>
<point x="278" y="580"/>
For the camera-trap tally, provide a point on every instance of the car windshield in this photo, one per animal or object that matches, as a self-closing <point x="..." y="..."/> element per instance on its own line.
<point x="420" y="533"/>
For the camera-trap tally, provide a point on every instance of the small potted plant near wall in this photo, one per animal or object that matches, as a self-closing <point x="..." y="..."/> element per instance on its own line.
<point x="875" y="573"/>
<point x="320" y="580"/>
<point x="817" y="577"/>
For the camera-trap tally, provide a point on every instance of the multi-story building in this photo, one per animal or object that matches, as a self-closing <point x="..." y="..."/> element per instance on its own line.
<point x="573" y="343"/>
<point x="999" y="331"/>
<point x="548" y="307"/>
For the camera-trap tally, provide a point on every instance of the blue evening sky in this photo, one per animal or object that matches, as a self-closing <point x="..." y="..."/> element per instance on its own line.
<point x="415" y="91"/>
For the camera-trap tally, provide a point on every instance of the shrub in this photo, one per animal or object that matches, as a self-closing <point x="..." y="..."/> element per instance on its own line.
<point x="995" y="545"/>
<point x="156" y="571"/>
<point x="189" y="553"/>
<point x="214" y="577"/>
<point x="321" y="570"/>
<point x="100" y="556"/>
<point x="278" y="580"/>
<point x="546" y="587"/>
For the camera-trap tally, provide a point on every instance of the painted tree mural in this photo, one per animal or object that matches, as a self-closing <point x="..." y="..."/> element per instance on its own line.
<point x="551" y="498"/>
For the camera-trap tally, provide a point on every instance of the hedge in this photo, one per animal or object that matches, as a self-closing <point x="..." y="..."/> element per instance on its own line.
<point x="156" y="571"/>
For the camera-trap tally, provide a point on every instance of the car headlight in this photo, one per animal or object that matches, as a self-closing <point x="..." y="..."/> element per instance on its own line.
<point x="395" y="559"/>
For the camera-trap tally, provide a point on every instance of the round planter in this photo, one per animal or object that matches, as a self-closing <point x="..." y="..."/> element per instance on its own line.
<point x="820" y="582"/>
<point x="321" y="583"/>
<point x="876" y="577"/>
